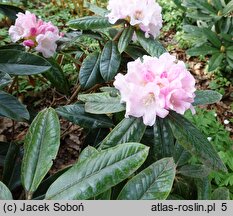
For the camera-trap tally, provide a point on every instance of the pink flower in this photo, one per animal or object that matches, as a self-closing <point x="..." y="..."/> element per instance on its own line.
<point x="35" y="33"/>
<point x="47" y="43"/>
<point x="146" y="14"/>
<point x="153" y="86"/>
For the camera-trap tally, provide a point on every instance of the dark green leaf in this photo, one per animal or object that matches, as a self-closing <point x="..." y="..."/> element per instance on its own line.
<point x="135" y="51"/>
<point x="202" y="50"/>
<point x="109" y="61"/>
<point x="90" y="22"/>
<point x="194" y="141"/>
<point x="89" y="74"/>
<point x="215" y="61"/>
<point x="204" y="97"/>
<point x="152" y="46"/>
<point x="221" y="193"/>
<point x="125" y="38"/>
<point x="5" y="79"/>
<point x="99" y="173"/>
<point x="45" y="184"/>
<point x="5" y="193"/>
<point x="128" y="130"/>
<point x="180" y="155"/>
<point x="105" y="195"/>
<point x="203" y="188"/>
<point x="57" y="78"/>
<point x="88" y="152"/>
<point x="10" y="11"/>
<point x="228" y="8"/>
<point x="9" y="163"/>
<point x="11" y="108"/>
<point x="163" y="139"/>
<point x="212" y="37"/>
<point x="153" y="183"/>
<point x="102" y="103"/>
<point x="13" y="47"/>
<point x="76" y="114"/>
<point x="40" y="148"/>
<point x="194" y="171"/>
<point x="16" y="62"/>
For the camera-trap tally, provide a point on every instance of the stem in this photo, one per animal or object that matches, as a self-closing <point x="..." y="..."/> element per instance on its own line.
<point x="74" y="95"/>
<point x="28" y="195"/>
<point x="12" y="84"/>
<point x="116" y="38"/>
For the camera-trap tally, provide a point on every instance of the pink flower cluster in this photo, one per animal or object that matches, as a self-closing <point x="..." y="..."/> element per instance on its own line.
<point x="35" y="33"/>
<point x="146" y="14"/>
<point x="153" y="86"/>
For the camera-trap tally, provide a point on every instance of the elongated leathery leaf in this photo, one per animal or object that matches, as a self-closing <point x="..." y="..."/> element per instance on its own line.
<point x="125" y="38"/>
<point x="99" y="173"/>
<point x="163" y="139"/>
<point x="109" y="61"/>
<point x="206" y="97"/>
<point x="194" y="141"/>
<point x="102" y="103"/>
<point x="155" y="182"/>
<point x="5" y="193"/>
<point x="128" y="130"/>
<point x="152" y="46"/>
<point x="11" y="108"/>
<point x="16" y="62"/>
<point x="89" y="74"/>
<point x="90" y="22"/>
<point x="194" y="171"/>
<point x="5" y="79"/>
<point x="76" y="114"/>
<point x="41" y="145"/>
<point x="221" y="193"/>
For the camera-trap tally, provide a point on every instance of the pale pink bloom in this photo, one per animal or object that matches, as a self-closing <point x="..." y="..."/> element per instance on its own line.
<point x="153" y="86"/>
<point x="47" y="43"/>
<point x="35" y="33"/>
<point x="143" y="13"/>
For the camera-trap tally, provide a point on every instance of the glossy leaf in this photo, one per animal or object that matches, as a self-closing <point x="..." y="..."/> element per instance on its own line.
<point x="228" y="8"/>
<point x="5" y="193"/>
<point x="109" y="61"/>
<point x="152" y="46"/>
<point x="89" y="73"/>
<point x="57" y="78"/>
<point x="128" y="130"/>
<point x="75" y="113"/>
<point x="203" y="188"/>
<point x="194" y="141"/>
<point x="135" y="51"/>
<point x="153" y="183"/>
<point x="212" y="37"/>
<point x="221" y="193"/>
<point x="11" y="108"/>
<point x="204" y="97"/>
<point x="125" y="38"/>
<point x="104" y="196"/>
<point x="16" y="62"/>
<point x="102" y="103"/>
<point x="10" y="11"/>
<point x="215" y="61"/>
<point x="87" y="153"/>
<point x="98" y="173"/>
<point x="181" y="156"/>
<point x="194" y="171"/>
<point x="5" y="79"/>
<point x="163" y="139"/>
<point x="202" y="50"/>
<point x="90" y="22"/>
<point x="40" y="149"/>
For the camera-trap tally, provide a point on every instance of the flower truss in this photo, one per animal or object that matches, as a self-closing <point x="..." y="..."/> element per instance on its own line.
<point x="153" y="86"/>
<point x="35" y="33"/>
<point x="146" y="14"/>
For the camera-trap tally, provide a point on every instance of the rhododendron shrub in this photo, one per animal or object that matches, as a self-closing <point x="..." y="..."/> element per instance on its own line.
<point x="153" y="86"/>
<point x="35" y="33"/>
<point x="130" y="98"/>
<point x="145" y="14"/>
